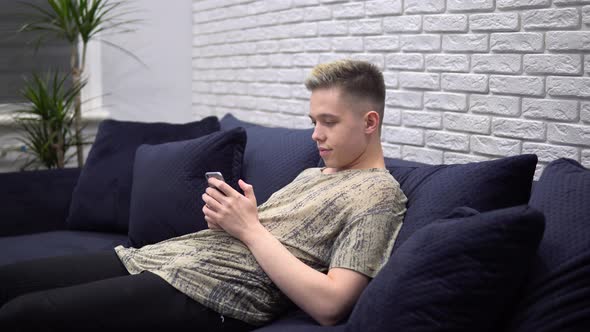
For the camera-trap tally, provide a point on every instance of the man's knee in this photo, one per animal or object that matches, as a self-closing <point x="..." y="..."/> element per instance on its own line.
<point x="27" y="311"/>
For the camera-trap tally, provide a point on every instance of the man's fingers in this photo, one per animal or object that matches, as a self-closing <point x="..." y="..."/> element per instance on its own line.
<point x="211" y="224"/>
<point x="225" y="188"/>
<point x="216" y="194"/>
<point x="211" y="202"/>
<point x="211" y="215"/>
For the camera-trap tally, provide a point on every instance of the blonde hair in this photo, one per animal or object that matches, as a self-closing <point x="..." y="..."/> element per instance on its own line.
<point x="356" y="78"/>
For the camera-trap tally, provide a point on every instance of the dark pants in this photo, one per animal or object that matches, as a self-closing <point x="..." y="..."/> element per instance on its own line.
<point x="94" y="292"/>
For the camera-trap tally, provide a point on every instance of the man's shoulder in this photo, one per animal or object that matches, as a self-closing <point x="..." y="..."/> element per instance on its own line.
<point x="381" y="187"/>
<point x="380" y="176"/>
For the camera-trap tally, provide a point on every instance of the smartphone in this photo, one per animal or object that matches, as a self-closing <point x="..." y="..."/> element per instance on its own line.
<point x="216" y="175"/>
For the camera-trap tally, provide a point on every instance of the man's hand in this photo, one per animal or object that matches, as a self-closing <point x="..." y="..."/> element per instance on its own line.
<point x="326" y="298"/>
<point x="227" y="209"/>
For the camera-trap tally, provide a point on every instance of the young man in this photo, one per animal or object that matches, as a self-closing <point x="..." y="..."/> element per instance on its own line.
<point x="316" y="242"/>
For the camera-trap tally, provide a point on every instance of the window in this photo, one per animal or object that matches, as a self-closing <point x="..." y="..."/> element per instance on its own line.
<point x="17" y="52"/>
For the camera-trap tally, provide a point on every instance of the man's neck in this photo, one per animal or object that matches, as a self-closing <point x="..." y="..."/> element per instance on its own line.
<point x="372" y="158"/>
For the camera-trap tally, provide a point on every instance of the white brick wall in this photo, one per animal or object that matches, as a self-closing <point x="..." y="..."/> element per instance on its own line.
<point x="466" y="80"/>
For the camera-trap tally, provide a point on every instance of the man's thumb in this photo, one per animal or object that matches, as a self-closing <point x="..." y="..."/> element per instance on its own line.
<point x="248" y="190"/>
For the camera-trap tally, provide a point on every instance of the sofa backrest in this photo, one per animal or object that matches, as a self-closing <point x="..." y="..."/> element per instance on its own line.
<point x="273" y="156"/>
<point x="35" y="201"/>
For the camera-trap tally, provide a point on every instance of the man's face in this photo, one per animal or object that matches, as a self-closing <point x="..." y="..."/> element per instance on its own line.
<point x="339" y="128"/>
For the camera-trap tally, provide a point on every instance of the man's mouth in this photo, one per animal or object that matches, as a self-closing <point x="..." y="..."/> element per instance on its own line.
<point x="324" y="151"/>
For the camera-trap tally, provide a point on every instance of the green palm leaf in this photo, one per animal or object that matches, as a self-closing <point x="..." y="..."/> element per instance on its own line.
<point x="46" y="125"/>
<point x="75" y="21"/>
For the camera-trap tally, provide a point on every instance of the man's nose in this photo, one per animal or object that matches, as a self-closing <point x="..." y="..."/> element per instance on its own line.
<point x="317" y="135"/>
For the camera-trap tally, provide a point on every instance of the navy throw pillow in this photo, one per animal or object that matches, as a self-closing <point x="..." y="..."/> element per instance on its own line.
<point x="100" y="200"/>
<point x="169" y="179"/>
<point x="273" y="156"/>
<point x="456" y="274"/>
<point x="557" y="295"/>
<point x="434" y="191"/>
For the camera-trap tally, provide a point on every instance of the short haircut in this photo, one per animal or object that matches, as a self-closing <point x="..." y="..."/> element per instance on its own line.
<point x="356" y="78"/>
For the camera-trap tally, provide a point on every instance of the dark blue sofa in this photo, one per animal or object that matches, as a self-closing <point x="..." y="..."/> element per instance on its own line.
<point x="478" y="250"/>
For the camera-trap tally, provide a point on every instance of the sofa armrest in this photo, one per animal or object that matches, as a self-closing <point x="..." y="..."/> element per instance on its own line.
<point x="35" y="201"/>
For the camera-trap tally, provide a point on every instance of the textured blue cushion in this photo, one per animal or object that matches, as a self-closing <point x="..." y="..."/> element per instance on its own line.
<point x="456" y="274"/>
<point x="393" y="162"/>
<point x="273" y="156"/>
<point x="56" y="243"/>
<point x="100" y="200"/>
<point x="169" y="179"/>
<point x="434" y="191"/>
<point x="557" y="295"/>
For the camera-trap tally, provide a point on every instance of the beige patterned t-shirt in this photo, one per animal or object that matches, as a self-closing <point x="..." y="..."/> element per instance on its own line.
<point x="347" y="219"/>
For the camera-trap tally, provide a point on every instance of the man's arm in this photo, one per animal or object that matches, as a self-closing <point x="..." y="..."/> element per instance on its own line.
<point x="326" y="298"/>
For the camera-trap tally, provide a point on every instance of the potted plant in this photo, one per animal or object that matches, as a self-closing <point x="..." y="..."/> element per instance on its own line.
<point x="46" y="123"/>
<point x="78" y="22"/>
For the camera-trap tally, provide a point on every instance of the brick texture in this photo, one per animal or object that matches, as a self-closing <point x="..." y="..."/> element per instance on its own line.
<point x="586" y="158"/>
<point x="494" y="22"/>
<point x="466" y="80"/>
<point x="422" y="155"/>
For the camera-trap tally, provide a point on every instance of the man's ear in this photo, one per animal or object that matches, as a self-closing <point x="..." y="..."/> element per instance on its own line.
<point x="371" y="122"/>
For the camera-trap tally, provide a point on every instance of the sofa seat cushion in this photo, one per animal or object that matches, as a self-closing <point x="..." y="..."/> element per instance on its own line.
<point x="557" y="295"/>
<point x="298" y="321"/>
<point x="433" y="191"/>
<point x="56" y="243"/>
<point x="273" y="156"/>
<point x="455" y="274"/>
<point x="169" y="179"/>
<point x="101" y="199"/>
